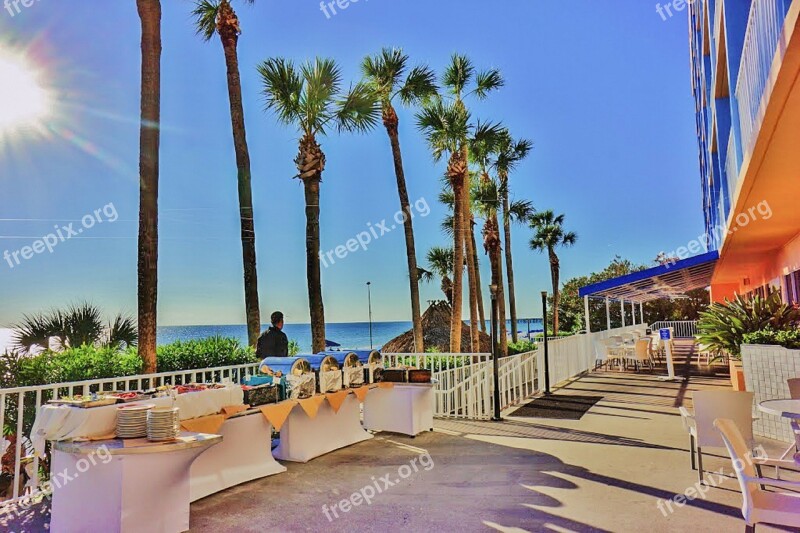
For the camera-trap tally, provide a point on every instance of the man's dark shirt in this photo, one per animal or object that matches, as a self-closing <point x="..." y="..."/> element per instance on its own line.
<point x="272" y="343"/>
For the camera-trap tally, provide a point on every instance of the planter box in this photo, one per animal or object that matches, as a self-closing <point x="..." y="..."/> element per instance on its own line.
<point x="766" y="369"/>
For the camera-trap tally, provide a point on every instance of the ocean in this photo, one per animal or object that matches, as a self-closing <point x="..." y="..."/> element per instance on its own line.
<point x="351" y="335"/>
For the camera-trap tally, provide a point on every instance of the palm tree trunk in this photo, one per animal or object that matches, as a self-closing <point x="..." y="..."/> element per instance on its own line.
<point x="471" y="273"/>
<point x="512" y="300"/>
<point x="501" y="294"/>
<point x="554" y="275"/>
<point x="481" y="310"/>
<point x="390" y="120"/>
<point x="149" y="142"/>
<point x="229" y="36"/>
<point x="457" y="172"/>
<point x="311" y="163"/>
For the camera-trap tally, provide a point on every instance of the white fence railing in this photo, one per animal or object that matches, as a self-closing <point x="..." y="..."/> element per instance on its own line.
<point x="684" y="329"/>
<point x="764" y="29"/>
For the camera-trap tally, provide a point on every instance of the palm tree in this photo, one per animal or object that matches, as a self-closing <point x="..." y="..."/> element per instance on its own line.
<point x="509" y="154"/>
<point x="549" y="235"/>
<point x="445" y="125"/>
<point x="461" y="81"/>
<point x="440" y="263"/>
<point x="311" y="99"/>
<point x="385" y="74"/>
<point x="483" y="144"/>
<point x="149" y="140"/>
<point x="218" y="16"/>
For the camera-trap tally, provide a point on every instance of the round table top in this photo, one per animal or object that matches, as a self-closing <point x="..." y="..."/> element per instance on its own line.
<point x="186" y="440"/>
<point x="787" y="408"/>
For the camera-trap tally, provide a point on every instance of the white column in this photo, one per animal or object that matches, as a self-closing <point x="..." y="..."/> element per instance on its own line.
<point x="641" y="312"/>
<point x="586" y="314"/>
<point x="633" y="314"/>
<point x="608" y="312"/>
<point x="622" y="308"/>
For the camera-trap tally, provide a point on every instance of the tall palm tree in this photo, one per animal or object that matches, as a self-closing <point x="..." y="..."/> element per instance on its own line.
<point x="385" y="74"/>
<point x="440" y="263"/>
<point x="509" y="154"/>
<point x="446" y="198"/>
<point x="218" y="16"/>
<point x="461" y="81"/>
<point x="445" y="125"/>
<point x="310" y="97"/>
<point x="549" y="235"/>
<point x="149" y="141"/>
<point x="483" y="144"/>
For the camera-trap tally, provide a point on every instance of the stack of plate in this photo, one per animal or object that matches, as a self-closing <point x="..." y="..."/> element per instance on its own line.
<point x="132" y="421"/>
<point x="163" y="423"/>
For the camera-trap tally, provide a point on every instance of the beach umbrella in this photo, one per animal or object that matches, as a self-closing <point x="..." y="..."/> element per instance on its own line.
<point x="332" y="344"/>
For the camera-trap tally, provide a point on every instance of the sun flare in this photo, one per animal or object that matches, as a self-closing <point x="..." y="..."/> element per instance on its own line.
<point x="24" y="101"/>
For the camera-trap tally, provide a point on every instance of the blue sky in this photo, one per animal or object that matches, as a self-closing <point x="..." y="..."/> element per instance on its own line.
<point x="601" y="87"/>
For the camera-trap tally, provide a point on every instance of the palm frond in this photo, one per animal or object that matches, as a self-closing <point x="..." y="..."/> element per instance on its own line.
<point x="458" y="74"/>
<point x="419" y="87"/>
<point x="359" y="111"/>
<point x="384" y="71"/>
<point x="520" y="211"/>
<point x="282" y="88"/>
<point x="322" y="80"/>
<point x="444" y="125"/>
<point x="487" y="82"/>
<point x="440" y="260"/>
<point x="484" y="142"/>
<point x="122" y="332"/>
<point x="205" y="17"/>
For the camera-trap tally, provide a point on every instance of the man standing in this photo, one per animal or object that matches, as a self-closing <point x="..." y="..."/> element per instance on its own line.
<point x="273" y="342"/>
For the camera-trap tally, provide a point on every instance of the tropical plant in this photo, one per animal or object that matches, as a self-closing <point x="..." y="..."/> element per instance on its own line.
<point x="723" y="326"/>
<point x="149" y="140"/>
<point x="204" y="353"/>
<point x="509" y="154"/>
<point x="77" y="325"/>
<point x="311" y="99"/>
<point x="787" y="338"/>
<point x="218" y="17"/>
<point x="440" y="263"/>
<point x="549" y="235"/>
<point x="385" y="74"/>
<point x="482" y="147"/>
<point x="445" y="125"/>
<point x="460" y="81"/>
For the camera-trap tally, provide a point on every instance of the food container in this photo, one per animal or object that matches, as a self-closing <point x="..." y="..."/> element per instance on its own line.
<point x="299" y="387"/>
<point x="261" y="394"/>
<point x="394" y="375"/>
<point x="297" y="379"/>
<point x="287" y="365"/>
<point x="85" y="401"/>
<point x="352" y="369"/>
<point x="369" y="357"/>
<point x="416" y="375"/>
<point x="326" y="368"/>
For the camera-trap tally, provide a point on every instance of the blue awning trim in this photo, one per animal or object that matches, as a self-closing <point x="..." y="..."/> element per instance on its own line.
<point x="663" y="281"/>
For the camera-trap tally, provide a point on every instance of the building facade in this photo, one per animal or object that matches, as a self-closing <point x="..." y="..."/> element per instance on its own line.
<point x="745" y="65"/>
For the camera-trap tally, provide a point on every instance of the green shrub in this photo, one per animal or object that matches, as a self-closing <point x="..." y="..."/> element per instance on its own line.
<point x="722" y="327"/>
<point x="521" y="346"/>
<point x="787" y="338"/>
<point x="203" y="353"/>
<point x="294" y="348"/>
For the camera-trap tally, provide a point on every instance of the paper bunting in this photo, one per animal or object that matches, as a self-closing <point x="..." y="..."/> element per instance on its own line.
<point x="277" y="413"/>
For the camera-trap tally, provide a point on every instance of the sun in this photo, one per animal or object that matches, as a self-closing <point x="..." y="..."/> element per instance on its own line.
<point x="24" y="100"/>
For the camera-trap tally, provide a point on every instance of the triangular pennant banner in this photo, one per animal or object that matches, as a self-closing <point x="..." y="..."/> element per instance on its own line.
<point x="361" y="392"/>
<point x="277" y="413"/>
<point x="230" y="410"/>
<point x="311" y="405"/>
<point x="385" y="384"/>
<point x="204" y="424"/>
<point x="336" y="399"/>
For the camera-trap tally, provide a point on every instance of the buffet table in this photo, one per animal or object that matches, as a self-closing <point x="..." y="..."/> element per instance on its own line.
<point x="304" y="437"/>
<point x="124" y="486"/>
<point x="405" y="408"/>
<point x="245" y="454"/>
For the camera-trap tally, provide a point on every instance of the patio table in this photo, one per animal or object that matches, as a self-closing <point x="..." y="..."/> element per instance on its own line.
<point x="303" y="438"/>
<point x="789" y="409"/>
<point x="405" y="408"/>
<point x="244" y="454"/>
<point x="124" y="486"/>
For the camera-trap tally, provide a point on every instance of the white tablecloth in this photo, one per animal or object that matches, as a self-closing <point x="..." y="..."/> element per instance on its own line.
<point x="406" y="409"/>
<point x="304" y="438"/>
<point x="62" y="422"/>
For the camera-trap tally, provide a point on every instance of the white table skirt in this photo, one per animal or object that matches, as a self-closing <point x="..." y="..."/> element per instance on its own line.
<point x="244" y="454"/>
<point x="61" y="422"/>
<point x="134" y="493"/>
<point x="404" y="408"/>
<point x="304" y="438"/>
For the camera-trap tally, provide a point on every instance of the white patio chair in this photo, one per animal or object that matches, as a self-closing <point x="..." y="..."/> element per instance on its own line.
<point x="641" y="353"/>
<point x="708" y="406"/>
<point x="600" y="354"/>
<point x="758" y="505"/>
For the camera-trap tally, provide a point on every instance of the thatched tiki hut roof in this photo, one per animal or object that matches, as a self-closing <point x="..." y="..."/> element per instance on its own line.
<point x="436" y="333"/>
